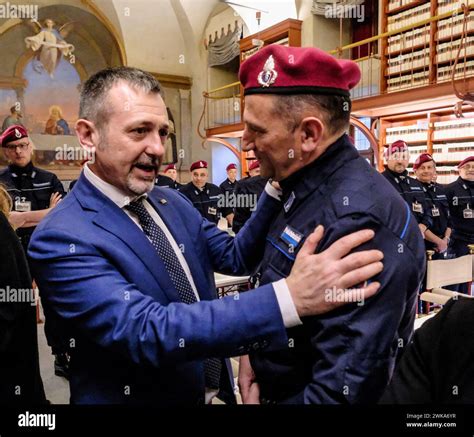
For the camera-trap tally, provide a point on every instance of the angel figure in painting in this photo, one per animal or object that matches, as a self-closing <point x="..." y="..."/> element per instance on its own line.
<point x="50" y="43"/>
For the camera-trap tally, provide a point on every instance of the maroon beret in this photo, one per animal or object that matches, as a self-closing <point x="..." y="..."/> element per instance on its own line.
<point x="170" y="167"/>
<point x="397" y="146"/>
<point x="231" y="167"/>
<point x="276" y="69"/>
<point x="255" y="164"/>
<point x="465" y="161"/>
<point x="424" y="157"/>
<point x="198" y="164"/>
<point x="13" y="133"/>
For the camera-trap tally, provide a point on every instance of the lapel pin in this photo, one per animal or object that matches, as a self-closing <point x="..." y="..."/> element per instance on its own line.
<point x="163" y="201"/>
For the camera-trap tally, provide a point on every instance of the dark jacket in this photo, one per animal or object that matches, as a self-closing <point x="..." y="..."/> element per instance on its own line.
<point x="437" y="366"/>
<point x="460" y="195"/>
<point x="210" y="201"/>
<point x="20" y="380"/>
<point x="439" y="210"/>
<point x="247" y="193"/>
<point x="33" y="184"/>
<point x="347" y="355"/>
<point x="413" y="193"/>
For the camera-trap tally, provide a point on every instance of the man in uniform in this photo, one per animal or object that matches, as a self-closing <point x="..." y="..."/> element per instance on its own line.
<point x="460" y="195"/>
<point x="409" y="188"/>
<point x="297" y="109"/>
<point x="438" y="234"/>
<point x="207" y="198"/>
<point x="168" y="179"/>
<point x="247" y="193"/>
<point x="34" y="193"/>
<point x="231" y="181"/>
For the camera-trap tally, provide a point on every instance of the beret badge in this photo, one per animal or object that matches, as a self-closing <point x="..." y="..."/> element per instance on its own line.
<point x="268" y="75"/>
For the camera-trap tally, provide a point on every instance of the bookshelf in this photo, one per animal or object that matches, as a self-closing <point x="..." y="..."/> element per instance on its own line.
<point x="440" y="133"/>
<point x="423" y="55"/>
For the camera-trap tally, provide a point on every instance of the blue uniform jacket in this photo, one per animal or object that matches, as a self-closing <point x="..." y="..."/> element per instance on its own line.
<point x="132" y="341"/>
<point x="347" y="355"/>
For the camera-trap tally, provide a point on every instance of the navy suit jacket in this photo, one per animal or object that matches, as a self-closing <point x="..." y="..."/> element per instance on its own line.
<point x="132" y="340"/>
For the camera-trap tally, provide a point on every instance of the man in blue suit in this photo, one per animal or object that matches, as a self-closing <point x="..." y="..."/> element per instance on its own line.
<point x="126" y="269"/>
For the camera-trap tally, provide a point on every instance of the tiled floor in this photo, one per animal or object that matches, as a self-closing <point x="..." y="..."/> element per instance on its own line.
<point x="57" y="388"/>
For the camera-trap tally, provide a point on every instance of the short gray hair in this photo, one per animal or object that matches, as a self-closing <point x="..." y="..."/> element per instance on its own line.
<point x="92" y="105"/>
<point x="334" y="109"/>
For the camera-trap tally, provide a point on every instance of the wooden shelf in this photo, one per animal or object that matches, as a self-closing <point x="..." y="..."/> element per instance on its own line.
<point x="451" y="61"/>
<point x="413" y="4"/>
<point x="415" y="70"/>
<point x="447" y="162"/>
<point x="454" y="37"/>
<point x="407" y="50"/>
<point x="413" y="143"/>
<point x="461" y="139"/>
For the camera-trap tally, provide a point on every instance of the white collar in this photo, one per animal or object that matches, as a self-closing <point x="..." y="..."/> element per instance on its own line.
<point x="113" y="193"/>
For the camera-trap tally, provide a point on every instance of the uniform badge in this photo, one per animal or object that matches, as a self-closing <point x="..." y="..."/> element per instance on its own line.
<point x="468" y="213"/>
<point x="268" y="75"/>
<point x="435" y="212"/>
<point x="417" y="207"/>
<point x="17" y="133"/>
<point x="211" y="210"/>
<point x="291" y="237"/>
<point x="22" y="205"/>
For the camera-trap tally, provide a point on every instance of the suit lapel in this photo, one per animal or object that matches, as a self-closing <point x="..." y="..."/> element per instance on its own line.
<point x="112" y="219"/>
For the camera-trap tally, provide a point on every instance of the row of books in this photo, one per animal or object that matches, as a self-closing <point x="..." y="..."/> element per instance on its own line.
<point x="444" y="73"/>
<point x="409" y="61"/>
<point x="442" y="130"/>
<point x="447" y="51"/>
<point x="408" y="81"/>
<point x="421" y="35"/>
<point x="452" y="152"/>
<point x="406" y="40"/>
<point x="409" y="17"/>
<point x="414" y="132"/>
<point x="458" y="128"/>
<point x="449" y="5"/>
<point x="453" y="26"/>
<point x="394" y="4"/>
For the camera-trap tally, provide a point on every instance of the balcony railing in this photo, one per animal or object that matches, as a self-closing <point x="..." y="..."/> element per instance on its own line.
<point x="223" y="106"/>
<point x="404" y="57"/>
